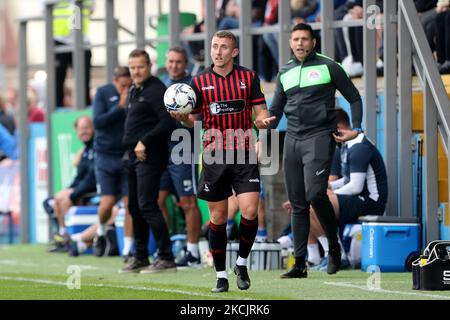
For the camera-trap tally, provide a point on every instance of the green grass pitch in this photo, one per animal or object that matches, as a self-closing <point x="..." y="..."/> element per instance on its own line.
<point x="29" y="272"/>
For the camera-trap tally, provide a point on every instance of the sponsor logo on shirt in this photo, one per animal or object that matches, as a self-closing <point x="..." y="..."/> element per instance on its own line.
<point x="226" y="107"/>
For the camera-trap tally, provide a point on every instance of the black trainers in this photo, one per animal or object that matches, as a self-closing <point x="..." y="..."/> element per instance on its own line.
<point x="99" y="246"/>
<point x="242" y="279"/>
<point x="334" y="260"/>
<point x="127" y="257"/>
<point x="73" y="248"/>
<point x="221" y="286"/>
<point x="60" y="243"/>
<point x="295" y="272"/>
<point x="112" y="247"/>
<point x="189" y="261"/>
<point x="135" y="265"/>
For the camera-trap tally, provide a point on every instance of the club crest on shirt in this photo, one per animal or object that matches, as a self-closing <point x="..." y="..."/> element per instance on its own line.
<point x="314" y="75"/>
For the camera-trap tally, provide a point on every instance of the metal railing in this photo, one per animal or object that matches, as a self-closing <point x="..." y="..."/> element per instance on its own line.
<point x="413" y="44"/>
<point x="399" y="18"/>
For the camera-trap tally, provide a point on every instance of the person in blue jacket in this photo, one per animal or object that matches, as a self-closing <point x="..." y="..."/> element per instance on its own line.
<point x="112" y="182"/>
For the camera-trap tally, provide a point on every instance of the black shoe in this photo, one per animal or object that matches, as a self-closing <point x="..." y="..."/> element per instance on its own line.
<point x="127" y="257"/>
<point x="295" y="272"/>
<point x="242" y="280"/>
<point x="334" y="260"/>
<point x="111" y="248"/>
<point x="73" y="248"/>
<point x="444" y="68"/>
<point x="99" y="246"/>
<point x="189" y="261"/>
<point x="60" y="243"/>
<point x="221" y="286"/>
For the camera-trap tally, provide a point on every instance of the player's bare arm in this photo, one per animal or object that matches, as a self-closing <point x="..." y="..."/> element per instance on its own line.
<point x="263" y="118"/>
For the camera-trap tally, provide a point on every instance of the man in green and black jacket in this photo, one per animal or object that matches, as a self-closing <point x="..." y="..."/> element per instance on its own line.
<point x="305" y="93"/>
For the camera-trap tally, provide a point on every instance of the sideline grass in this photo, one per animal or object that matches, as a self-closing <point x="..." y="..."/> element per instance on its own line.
<point x="29" y="272"/>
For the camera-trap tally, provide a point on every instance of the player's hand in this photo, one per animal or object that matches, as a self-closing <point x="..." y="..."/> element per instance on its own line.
<point x="264" y="123"/>
<point x="139" y="150"/>
<point x="123" y="98"/>
<point x="179" y="116"/>
<point x="287" y="206"/>
<point x="345" y="135"/>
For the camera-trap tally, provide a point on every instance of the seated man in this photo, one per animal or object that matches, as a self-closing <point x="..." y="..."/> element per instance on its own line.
<point x="83" y="185"/>
<point x="80" y="242"/>
<point x="362" y="188"/>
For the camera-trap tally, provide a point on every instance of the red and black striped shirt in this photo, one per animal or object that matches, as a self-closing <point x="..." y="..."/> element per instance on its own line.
<point x="226" y="106"/>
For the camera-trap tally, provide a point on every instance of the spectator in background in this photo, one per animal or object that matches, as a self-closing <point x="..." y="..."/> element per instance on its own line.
<point x="442" y="24"/>
<point x="35" y="112"/>
<point x="12" y="102"/>
<point x="8" y="144"/>
<point x="62" y="32"/>
<point x="6" y="119"/>
<point x="83" y="186"/>
<point x="427" y="14"/>
<point x="349" y="40"/>
<point x="109" y="107"/>
<point x="68" y="98"/>
<point x="261" y="55"/>
<point x="300" y="11"/>
<point x="182" y="177"/>
<point x="271" y="18"/>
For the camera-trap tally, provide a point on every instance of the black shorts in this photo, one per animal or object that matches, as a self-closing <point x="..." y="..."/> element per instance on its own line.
<point x="217" y="181"/>
<point x="352" y="207"/>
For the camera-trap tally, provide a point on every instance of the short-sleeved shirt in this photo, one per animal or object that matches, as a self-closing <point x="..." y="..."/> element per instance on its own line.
<point x="226" y="103"/>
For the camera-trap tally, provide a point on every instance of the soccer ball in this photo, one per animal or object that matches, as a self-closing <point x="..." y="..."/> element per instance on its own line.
<point x="180" y="98"/>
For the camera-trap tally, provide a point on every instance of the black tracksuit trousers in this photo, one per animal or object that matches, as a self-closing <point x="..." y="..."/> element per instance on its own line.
<point x="143" y="188"/>
<point x="307" y="165"/>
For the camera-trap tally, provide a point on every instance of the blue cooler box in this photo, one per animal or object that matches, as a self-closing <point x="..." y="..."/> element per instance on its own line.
<point x="389" y="243"/>
<point x="80" y="218"/>
<point x="120" y="220"/>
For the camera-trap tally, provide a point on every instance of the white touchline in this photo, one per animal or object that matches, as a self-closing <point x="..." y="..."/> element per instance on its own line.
<point x="349" y="285"/>
<point x="60" y="283"/>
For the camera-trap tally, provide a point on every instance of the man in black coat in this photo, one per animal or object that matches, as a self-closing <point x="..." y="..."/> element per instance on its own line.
<point x="147" y="129"/>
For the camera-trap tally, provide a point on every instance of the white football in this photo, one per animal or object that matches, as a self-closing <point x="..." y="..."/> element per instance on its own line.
<point x="180" y="97"/>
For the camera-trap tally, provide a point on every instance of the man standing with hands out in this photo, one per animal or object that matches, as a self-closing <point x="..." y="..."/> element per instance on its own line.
<point x="305" y="93"/>
<point x="147" y="130"/>
<point x="226" y="96"/>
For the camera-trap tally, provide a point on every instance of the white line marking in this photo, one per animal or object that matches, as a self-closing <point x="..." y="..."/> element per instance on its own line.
<point x="16" y="263"/>
<point x="349" y="285"/>
<point x="99" y="285"/>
